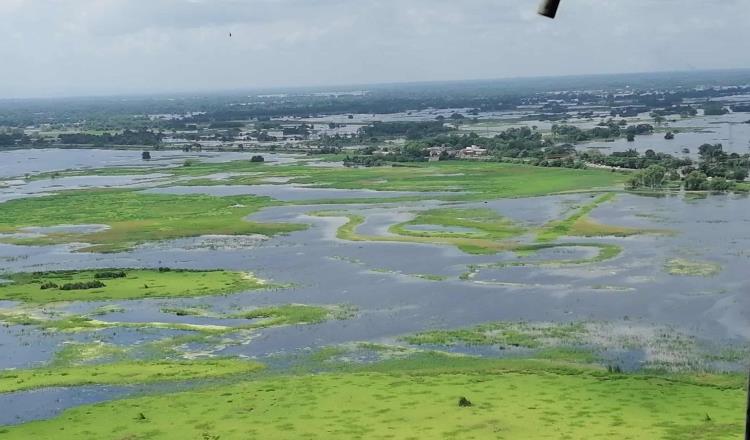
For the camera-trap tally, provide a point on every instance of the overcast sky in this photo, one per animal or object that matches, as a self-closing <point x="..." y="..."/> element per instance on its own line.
<point x="91" y="47"/>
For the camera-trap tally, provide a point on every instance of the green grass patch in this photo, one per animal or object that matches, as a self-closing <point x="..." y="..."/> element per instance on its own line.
<point x="482" y="246"/>
<point x="486" y="222"/>
<point x="418" y="397"/>
<point x="503" y="334"/>
<point x="483" y="180"/>
<point x="135" y="217"/>
<point x="294" y="314"/>
<point x="137" y="284"/>
<point x="122" y="373"/>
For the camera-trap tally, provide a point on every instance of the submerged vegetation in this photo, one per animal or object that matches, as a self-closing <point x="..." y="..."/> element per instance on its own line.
<point x="484" y="223"/>
<point x="580" y="225"/>
<point x="680" y="266"/>
<point x="133" y="217"/>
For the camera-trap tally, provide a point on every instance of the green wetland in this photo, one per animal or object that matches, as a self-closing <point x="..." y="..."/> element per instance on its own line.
<point x="298" y="299"/>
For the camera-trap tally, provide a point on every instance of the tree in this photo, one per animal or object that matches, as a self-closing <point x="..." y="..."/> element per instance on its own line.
<point x="652" y="177"/>
<point x="696" y="181"/>
<point x="631" y="137"/>
<point x="708" y="151"/>
<point x="739" y="175"/>
<point x="714" y="109"/>
<point x="720" y="184"/>
<point x="413" y="150"/>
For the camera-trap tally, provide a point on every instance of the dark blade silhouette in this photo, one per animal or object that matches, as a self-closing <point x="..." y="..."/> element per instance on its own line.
<point x="548" y="8"/>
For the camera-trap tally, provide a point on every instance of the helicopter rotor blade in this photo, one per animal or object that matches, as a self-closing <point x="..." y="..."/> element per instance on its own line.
<point x="548" y="8"/>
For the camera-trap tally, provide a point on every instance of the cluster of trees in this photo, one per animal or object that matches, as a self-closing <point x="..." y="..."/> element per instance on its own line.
<point x="263" y="136"/>
<point x="83" y="285"/>
<point x="684" y="111"/>
<point x="14" y="139"/>
<point x="655" y="177"/>
<point x="606" y="130"/>
<point x="364" y="161"/>
<point x="407" y="129"/>
<point x="631" y="159"/>
<point x="716" y="170"/>
<point x="716" y="163"/>
<point x="301" y="130"/>
<point x="714" y="109"/>
<point x="514" y="142"/>
<point x="127" y="137"/>
<point x="110" y="275"/>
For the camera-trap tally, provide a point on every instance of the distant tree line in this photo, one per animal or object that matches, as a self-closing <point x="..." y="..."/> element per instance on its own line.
<point x="407" y="129"/>
<point x="127" y="137"/>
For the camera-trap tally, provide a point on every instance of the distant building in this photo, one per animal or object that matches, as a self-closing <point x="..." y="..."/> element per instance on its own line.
<point x="472" y="152"/>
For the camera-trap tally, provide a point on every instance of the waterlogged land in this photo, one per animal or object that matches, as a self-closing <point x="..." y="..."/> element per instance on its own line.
<point x="418" y="398"/>
<point x="226" y="299"/>
<point x="131" y="218"/>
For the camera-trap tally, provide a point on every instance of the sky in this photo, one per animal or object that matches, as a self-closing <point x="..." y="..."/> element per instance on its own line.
<point x="104" y="47"/>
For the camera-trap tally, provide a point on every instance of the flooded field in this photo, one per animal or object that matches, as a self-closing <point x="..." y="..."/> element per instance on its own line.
<point x="731" y="130"/>
<point x="667" y="288"/>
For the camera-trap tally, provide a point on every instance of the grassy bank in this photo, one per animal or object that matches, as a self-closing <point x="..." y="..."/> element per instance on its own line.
<point x="419" y="398"/>
<point x="123" y="373"/>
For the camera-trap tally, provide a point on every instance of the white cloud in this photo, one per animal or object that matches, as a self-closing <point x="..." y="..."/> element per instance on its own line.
<point x="65" y="47"/>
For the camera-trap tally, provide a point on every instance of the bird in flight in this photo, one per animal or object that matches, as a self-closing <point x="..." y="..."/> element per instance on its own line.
<point x="230" y="35"/>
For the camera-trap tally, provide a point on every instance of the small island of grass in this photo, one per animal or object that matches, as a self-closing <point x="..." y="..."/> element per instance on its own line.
<point x="102" y="285"/>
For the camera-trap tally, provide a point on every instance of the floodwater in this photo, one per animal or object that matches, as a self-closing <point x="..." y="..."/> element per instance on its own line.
<point x="380" y="279"/>
<point x="731" y="130"/>
<point x="18" y="163"/>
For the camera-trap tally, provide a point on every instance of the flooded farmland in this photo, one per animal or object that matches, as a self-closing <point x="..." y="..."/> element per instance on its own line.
<point x="391" y="285"/>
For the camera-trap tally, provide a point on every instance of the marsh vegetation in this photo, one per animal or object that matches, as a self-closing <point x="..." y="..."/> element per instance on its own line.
<point x="472" y="271"/>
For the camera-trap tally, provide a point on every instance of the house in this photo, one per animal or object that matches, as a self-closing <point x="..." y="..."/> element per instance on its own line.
<point x="472" y="152"/>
